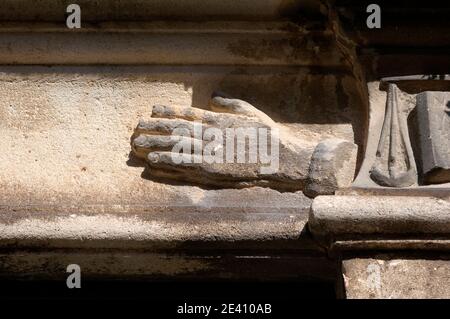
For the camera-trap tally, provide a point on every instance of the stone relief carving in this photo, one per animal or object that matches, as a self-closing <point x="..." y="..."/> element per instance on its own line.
<point x="394" y="163"/>
<point x="413" y="148"/>
<point x="281" y="160"/>
<point x="433" y="119"/>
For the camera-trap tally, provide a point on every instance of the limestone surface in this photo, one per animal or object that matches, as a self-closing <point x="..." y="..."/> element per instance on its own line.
<point x="388" y="277"/>
<point x="341" y="216"/>
<point x="433" y="115"/>
<point x="332" y="167"/>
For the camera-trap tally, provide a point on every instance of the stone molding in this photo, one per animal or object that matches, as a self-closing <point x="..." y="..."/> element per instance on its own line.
<point x="381" y="222"/>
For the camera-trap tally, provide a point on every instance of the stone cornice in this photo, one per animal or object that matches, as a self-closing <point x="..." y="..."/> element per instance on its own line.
<point x="218" y="43"/>
<point x="381" y="222"/>
<point x="147" y="10"/>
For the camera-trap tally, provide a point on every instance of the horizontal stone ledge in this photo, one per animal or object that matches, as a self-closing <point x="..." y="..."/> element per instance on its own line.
<point x="52" y="265"/>
<point x="165" y="48"/>
<point x="392" y="217"/>
<point x="101" y="10"/>
<point x="439" y="191"/>
<point x="169" y="26"/>
<point x="393" y="244"/>
<point x="153" y="227"/>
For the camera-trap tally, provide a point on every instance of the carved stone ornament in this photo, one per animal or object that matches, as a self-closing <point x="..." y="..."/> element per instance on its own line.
<point x="216" y="148"/>
<point x="394" y="164"/>
<point x="413" y="148"/>
<point x="433" y="119"/>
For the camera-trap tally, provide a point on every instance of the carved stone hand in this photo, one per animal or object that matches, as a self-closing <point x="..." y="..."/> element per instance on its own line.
<point x="155" y="140"/>
<point x="273" y="157"/>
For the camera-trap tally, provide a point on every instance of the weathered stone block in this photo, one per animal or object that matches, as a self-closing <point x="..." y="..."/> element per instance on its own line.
<point x="396" y="278"/>
<point x="332" y="167"/>
<point x="354" y="215"/>
<point x="433" y="115"/>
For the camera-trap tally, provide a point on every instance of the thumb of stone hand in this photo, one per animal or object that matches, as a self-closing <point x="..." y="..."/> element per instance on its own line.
<point x="223" y="103"/>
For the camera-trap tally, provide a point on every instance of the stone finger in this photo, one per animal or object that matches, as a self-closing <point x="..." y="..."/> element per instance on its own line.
<point x="174" y="161"/>
<point x="219" y="120"/>
<point x="144" y="144"/>
<point x="224" y="104"/>
<point x="166" y="127"/>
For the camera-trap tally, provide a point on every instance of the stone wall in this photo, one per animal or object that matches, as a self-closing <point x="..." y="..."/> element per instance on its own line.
<point x="71" y="188"/>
